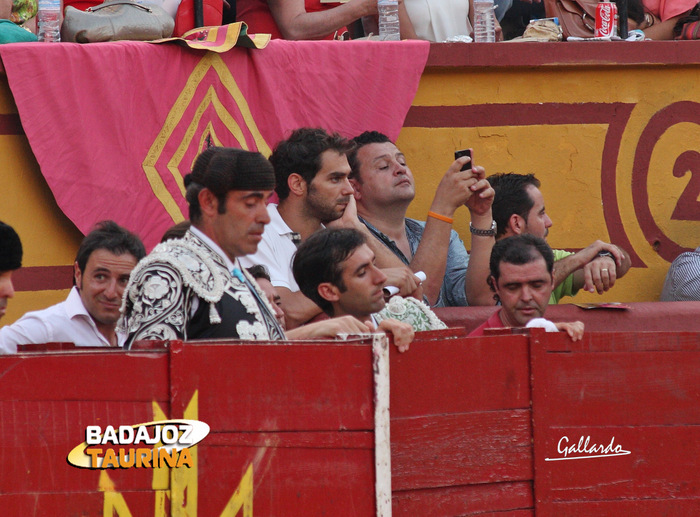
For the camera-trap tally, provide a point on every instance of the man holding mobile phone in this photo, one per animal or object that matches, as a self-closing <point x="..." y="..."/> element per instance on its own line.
<point x="384" y="188"/>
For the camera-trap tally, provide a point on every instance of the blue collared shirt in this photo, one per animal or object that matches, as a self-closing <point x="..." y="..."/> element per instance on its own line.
<point x="452" y="292"/>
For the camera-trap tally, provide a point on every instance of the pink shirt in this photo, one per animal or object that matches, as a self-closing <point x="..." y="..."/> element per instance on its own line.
<point x="665" y="9"/>
<point x="494" y="322"/>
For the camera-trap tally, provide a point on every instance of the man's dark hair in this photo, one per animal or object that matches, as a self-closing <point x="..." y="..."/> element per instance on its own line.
<point x="222" y="169"/>
<point x="109" y="236"/>
<point x="301" y="154"/>
<point x="318" y="260"/>
<point x="635" y="10"/>
<point x="259" y="271"/>
<point x="366" y="138"/>
<point x="511" y="197"/>
<point x="519" y="250"/>
<point x="177" y="231"/>
<point x="10" y="249"/>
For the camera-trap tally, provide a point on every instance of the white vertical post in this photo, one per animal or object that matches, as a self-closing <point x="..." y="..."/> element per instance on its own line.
<point x="382" y="438"/>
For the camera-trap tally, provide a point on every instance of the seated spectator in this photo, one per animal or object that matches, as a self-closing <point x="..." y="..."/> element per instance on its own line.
<point x="657" y="18"/>
<point x="88" y="317"/>
<point x="521" y="276"/>
<point x="384" y="188"/>
<point x="438" y="20"/>
<point x="10" y="260"/>
<point x="683" y="278"/>
<point x="518" y="208"/>
<point x="304" y="19"/>
<point x="20" y="12"/>
<point x="177" y="231"/>
<point x="311" y="169"/>
<point x="336" y="269"/>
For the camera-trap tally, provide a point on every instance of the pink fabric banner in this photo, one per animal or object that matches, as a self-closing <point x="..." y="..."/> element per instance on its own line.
<point x="115" y="126"/>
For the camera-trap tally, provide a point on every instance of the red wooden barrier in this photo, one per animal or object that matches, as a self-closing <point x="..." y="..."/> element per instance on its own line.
<point x="292" y="427"/>
<point x="460" y="427"/>
<point x="641" y="316"/>
<point x="638" y="391"/>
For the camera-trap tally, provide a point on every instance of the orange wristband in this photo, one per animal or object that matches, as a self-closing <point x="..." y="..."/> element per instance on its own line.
<point x="440" y="217"/>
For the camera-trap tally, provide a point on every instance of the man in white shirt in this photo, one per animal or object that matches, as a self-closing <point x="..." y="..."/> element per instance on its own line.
<point x="311" y="172"/>
<point x="10" y="260"/>
<point x="88" y="317"/>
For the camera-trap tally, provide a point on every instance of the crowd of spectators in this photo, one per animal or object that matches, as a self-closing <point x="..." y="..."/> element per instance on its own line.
<point x="432" y="20"/>
<point x="336" y="255"/>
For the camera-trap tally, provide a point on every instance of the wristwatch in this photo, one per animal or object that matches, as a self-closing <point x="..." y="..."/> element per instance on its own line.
<point x="604" y="253"/>
<point x="483" y="233"/>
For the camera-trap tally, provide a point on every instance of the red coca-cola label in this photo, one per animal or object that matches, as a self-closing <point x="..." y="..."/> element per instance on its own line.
<point x="606" y="20"/>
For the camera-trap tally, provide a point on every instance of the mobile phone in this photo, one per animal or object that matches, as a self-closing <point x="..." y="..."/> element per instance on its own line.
<point x="464" y="152"/>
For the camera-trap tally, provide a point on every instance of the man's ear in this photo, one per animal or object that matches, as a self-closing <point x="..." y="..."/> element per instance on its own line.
<point x="329" y="292"/>
<point x="356" y="187"/>
<point x="516" y="224"/>
<point x="77" y="274"/>
<point x="208" y="202"/>
<point x="492" y="283"/>
<point x="297" y="184"/>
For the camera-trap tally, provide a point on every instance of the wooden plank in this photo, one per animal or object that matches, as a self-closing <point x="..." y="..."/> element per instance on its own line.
<point x="453" y="450"/>
<point x="36" y="437"/>
<point x="263" y="387"/>
<point x="662" y="464"/>
<point x="325" y="440"/>
<point x="289" y="481"/>
<point x="629" y="392"/>
<point x="596" y="381"/>
<point x="80" y="503"/>
<point x="460" y="375"/>
<point x="624" y="341"/>
<point x="80" y="375"/>
<point x="666" y="507"/>
<point x="513" y="499"/>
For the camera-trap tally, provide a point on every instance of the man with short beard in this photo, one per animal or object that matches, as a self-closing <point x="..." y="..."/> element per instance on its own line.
<point x="311" y="175"/>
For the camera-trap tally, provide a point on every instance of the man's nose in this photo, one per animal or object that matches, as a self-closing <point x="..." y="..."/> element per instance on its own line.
<point x="379" y="276"/>
<point x="348" y="189"/>
<point x="399" y="168"/>
<point x="263" y="217"/>
<point x="547" y="221"/>
<point x="113" y="289"/>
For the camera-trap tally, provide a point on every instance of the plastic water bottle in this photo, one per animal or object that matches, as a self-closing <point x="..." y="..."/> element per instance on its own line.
<point x="484" y="24"/>
<point x="389" y="20"/>
<point x="49" y="20"/>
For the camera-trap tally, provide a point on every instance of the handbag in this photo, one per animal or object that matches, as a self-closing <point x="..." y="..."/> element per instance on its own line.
<point x="116" y="20"/>
<point x="576" y="17"/>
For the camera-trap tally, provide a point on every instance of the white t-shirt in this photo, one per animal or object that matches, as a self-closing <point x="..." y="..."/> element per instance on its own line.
<point x="437" y="20"/>
<point x="65" y="322"/>
<point x="275" y="251"/>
